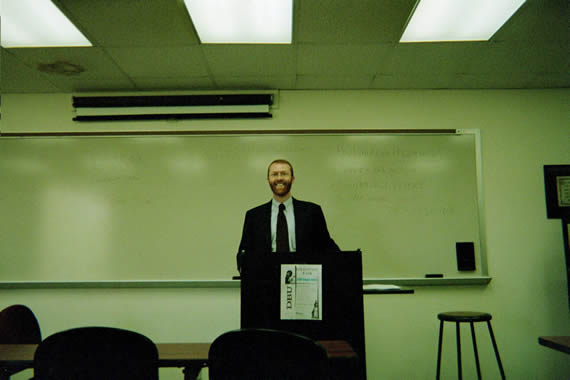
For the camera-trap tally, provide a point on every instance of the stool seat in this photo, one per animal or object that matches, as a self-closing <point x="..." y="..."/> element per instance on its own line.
<point x="464" y="316"/>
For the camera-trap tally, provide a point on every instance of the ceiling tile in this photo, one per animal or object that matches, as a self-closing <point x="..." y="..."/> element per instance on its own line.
<point x="531" y="57"/>
<point x="240" y="60"/>
<point x="95" y="63"/>
<point x="257" y="82"/>
<point x="537" y="20"/>
<point x="160" y="61"/>
<point x="550" y="80"/>
<point x="405" y="80"/>
<point x="341" y="59"/>
<point x="174" y="83"/>
<point x="341" y="21"/>
<point x="19" y="77"/>
<point x="334" y="82"/>
<point x="94" y="85"/>
<point x="474" y="81"/>
<point x="447" y="57"/>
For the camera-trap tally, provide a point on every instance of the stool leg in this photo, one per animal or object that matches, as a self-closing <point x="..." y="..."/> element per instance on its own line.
<point x="496" y="350"/>
<point x="475" y="351"/>
<point x="459" y="372"/>
<point x="439" y="350"/>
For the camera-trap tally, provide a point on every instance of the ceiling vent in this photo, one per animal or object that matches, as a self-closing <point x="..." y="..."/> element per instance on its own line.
<point x="172" y="107"/>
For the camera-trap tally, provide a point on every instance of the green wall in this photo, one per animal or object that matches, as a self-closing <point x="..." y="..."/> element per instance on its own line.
<point x="521" y="130"/>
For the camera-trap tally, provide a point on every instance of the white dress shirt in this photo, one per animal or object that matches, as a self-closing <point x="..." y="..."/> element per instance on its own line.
<point x="290" y="216"/>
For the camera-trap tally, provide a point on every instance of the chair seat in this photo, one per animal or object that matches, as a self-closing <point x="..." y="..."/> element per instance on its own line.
<point x="18" y="325"/>
<point x="96" y="353"/>
<point x="255" y="354"/>
<point x="464" y="316"/>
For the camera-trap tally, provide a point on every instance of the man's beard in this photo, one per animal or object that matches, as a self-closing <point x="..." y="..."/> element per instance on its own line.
<point x="281" y="191"/>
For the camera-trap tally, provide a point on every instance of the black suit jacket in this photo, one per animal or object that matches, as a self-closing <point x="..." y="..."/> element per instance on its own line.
<point x="311" y="233"/>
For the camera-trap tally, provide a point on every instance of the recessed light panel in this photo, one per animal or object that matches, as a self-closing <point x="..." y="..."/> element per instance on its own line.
<point x="242" y="21"/>
<point x="37" y="23"/>
<point x="458" y="20"/>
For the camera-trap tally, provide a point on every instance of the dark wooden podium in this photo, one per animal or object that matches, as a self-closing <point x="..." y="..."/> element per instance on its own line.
<point x="342" y="306"/>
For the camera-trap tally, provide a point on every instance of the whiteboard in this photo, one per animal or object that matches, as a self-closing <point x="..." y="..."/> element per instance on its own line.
<point x="171" y="207"/>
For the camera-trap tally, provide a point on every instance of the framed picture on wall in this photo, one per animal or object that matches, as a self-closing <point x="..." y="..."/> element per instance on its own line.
<point x="557" y="190"/>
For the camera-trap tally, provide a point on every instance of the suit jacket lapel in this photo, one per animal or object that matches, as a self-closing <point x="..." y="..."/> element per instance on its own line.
<point x="266" y="223"/>
<point x="300" y="221"/>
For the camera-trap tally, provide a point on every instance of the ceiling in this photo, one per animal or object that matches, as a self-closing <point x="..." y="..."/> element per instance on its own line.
<point x="151" y="45"/>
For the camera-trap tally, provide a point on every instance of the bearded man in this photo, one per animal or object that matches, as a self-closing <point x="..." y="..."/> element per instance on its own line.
<point x="284" y="224"/>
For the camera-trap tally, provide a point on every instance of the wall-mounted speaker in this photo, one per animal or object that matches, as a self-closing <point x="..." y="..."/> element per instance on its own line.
<point x="465" y="256"/>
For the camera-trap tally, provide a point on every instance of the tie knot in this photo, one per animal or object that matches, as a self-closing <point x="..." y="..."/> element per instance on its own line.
<point x="281" y="207"/>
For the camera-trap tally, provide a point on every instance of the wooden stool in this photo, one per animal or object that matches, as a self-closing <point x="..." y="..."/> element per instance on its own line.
<point x="471" y="317"/>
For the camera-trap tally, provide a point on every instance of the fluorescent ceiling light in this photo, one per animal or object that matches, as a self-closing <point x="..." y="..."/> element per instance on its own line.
<point x="242" y="21"/>
<point x="458" y="20"/>
<point x="36" y="23"/>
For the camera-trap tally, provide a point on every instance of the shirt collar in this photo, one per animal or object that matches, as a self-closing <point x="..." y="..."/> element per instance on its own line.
<point x="288" y="203"/>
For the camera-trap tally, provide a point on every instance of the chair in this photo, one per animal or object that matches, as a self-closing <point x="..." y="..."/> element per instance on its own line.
<point x="18" y="325"/>
<point x="95" y="353"/>
<point x="470" y="317"/>
<point x="266" y="354"/>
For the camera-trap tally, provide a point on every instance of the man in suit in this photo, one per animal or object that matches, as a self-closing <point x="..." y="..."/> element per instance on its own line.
<point x="305" y="223"/>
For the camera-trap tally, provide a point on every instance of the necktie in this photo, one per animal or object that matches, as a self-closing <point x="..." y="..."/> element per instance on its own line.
<point x="282" y="239"/>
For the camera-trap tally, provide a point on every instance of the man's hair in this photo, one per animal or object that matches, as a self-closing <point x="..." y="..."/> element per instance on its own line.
<point x="280" y="161"/>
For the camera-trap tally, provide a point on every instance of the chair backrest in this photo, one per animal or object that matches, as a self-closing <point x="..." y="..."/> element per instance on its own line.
<point x="18" y="325"/>
<point x="266" y="354"/>
<point x="95" y="353"/>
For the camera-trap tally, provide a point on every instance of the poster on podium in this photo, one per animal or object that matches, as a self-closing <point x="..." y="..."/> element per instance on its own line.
<point x="301" y="292"/>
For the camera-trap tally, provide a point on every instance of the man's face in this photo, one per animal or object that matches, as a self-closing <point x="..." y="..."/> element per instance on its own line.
<point x="280" y="179"/>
